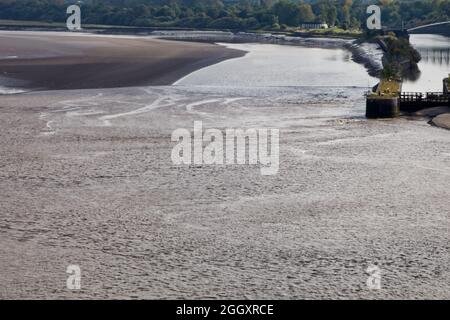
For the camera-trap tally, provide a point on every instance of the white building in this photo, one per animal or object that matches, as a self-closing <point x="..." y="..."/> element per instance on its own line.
<point x="314" y="25"/>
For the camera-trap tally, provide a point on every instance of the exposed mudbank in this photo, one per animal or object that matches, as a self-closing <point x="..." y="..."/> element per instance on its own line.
<point x="363" y="53"/>
<point x="56" y="61"/>
<point x="74" y="188"/>
<point x="436" y="116"/>
<point x="439" y="116"/>
<point x="442" y="121"/>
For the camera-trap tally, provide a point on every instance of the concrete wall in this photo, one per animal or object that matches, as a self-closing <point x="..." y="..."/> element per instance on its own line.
<point x="382" y="107"/>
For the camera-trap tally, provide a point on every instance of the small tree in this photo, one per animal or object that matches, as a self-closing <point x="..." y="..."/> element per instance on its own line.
<point x="389" y="72"/>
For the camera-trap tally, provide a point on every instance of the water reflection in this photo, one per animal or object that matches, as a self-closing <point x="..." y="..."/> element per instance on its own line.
<point x="268" y="65"/>
<point x="435" y="63"/>
<point x="439" y="56"/>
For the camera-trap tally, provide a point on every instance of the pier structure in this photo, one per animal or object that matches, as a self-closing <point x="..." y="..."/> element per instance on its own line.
<point x="387" y="99"/>
<point x="447" y="85"/>
<point x="415" y="101"/>
<point x="383" y="101"/>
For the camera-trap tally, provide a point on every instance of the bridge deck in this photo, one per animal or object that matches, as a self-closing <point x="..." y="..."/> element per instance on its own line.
<point x="442" y="23"/>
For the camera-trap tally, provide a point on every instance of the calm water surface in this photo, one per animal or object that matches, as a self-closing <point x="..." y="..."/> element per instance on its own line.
<point x="274" y="65"/>
<point x="435" y="64"/>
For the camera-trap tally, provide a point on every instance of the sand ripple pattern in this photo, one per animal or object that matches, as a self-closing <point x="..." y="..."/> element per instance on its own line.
<point x="86" y="179"/>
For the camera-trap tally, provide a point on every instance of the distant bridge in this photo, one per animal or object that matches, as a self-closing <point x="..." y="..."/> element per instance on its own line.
<point x="438" y="28"/>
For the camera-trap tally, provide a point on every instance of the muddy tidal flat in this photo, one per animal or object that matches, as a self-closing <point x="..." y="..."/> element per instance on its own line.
<point x="77" y="189"/>
<point x="86" y="178"/>
<point x="63" y="60"/>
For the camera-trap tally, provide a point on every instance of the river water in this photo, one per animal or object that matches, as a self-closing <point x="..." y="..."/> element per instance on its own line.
<point x="272" y="65"/>
<point x="268" y="65"/>
<point x="435" y="63"/>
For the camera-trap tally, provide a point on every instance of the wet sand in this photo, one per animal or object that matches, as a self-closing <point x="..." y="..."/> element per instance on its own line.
<point x="86" y="178"/>
<point x="51" y="60"/>
<point x="438" y="116"/>
<point x="442" y="120"/>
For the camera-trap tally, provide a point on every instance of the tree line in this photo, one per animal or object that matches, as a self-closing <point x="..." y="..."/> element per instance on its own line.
<point x="230" y="14"/>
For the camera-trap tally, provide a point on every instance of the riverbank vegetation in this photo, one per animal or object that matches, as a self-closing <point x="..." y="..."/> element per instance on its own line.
<point x="271" y="15"/>
<point x="400" y="58"/>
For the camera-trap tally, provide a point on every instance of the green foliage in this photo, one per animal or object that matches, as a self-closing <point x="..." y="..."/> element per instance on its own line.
<point x="400" y="48"/>
<point x="230" y="14"/>
<point x="390" y="72"/>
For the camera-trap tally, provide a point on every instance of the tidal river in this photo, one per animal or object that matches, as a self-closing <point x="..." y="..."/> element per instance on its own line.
<point x="268" y="65"/>
<point x="272" y="65"/>
<point x="435" y="63"/>
<point x="87" y="179"/>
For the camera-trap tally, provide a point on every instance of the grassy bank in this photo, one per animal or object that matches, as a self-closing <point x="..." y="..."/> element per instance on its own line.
<point x="330" y="33"/>
<point x="326" y="33"/>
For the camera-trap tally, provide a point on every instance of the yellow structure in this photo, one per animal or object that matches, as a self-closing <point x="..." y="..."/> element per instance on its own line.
<point x="383" y="102"/>
<point x="387" y="88"/>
